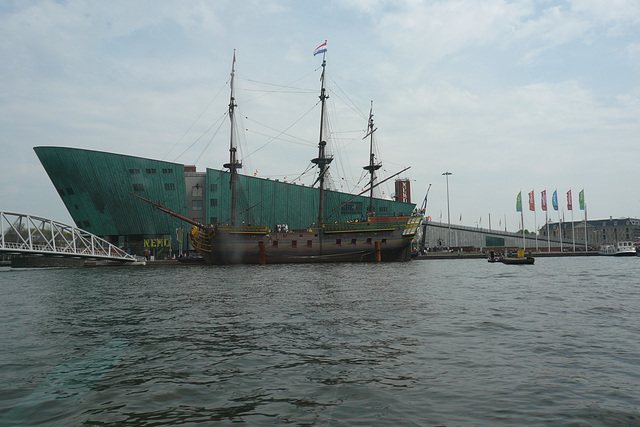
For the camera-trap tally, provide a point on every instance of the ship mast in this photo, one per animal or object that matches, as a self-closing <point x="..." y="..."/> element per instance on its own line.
<point x="322" y="160"/>
<point x="233" y="164"/>
<point x="372" y="167"/>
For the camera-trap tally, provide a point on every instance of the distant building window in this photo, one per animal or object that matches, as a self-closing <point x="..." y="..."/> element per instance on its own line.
<point x="352" y="208"/>
<point x="87" y="224"/>
<point x="196" y="191"/>
<point x="383" y="209"/>
<point x="196" y="205"/>
<point x="169" y="186"/>
<point x="138" y="187"/>
<point x="70" y="191"/>
<point x="151" y="170"/>
<point x="60" y="192"/>
<point x="214" y="187"/>
<point x="76" y="206"/>
<point x="134" y="171"/>
<point x="214" y="203"/>
<point x="214" y="220"/>
<point x="165" y="170"/>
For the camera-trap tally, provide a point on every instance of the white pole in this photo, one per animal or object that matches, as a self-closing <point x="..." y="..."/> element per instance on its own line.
<point x="448" y="210"/>
<point x="546" y="216"/>
<point x="585" y="228"/>
<point x="560" y="229"/>
<point x="524" y="242"/>
<point x="535" y="221"/>
<point x="573" y="231"/>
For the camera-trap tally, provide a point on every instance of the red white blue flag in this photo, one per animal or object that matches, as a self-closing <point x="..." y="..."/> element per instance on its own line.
<point x="320" y="49"/>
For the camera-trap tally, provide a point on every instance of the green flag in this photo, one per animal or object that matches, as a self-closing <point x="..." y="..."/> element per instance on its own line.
<point x="581" y="199"/>
<point x="519" y="202"/>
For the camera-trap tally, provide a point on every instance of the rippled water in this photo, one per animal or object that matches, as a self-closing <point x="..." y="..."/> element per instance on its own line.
<point x="449" y="342"/>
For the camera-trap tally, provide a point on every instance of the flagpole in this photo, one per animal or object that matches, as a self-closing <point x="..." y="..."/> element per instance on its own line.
<point x="573" y="231"/>
<point x="535" y="221"/>
<point x="546" y="215"/>
<point x="524" y="242"/>
<point x="586" y="248"/>
<point x="560" y="225"/>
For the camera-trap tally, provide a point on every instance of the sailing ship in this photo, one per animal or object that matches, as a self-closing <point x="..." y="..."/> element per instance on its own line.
<point x="373" y="238"/>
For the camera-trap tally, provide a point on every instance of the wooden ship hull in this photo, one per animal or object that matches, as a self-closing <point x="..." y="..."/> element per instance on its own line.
<point x="377" y="240"/>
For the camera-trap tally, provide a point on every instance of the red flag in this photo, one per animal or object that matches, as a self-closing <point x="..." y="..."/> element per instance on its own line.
<point x="569" y="201"/>
<point x="543" y="200"/>
<point x="532" y="203"/>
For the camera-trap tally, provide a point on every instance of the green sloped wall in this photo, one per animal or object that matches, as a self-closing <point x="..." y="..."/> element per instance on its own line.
<point x="95" y="186"/>
<point x="264" y="202"/>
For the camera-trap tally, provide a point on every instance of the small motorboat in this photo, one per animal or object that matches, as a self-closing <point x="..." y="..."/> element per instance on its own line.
<point x="518" y="260"/>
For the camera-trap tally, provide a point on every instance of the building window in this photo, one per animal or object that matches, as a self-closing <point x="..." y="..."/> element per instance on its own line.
<point x="60" y="192"/>
<point x="87" y="224"/>
<point x="134" y="171"/>
<point x="138" y="187"/>
<point x="214" y="188"/>
<point x="214" y="220"/>
<point x="214" y="203"/>
<point x="196" y="191"/>
<point x="169" y="186"/>
<point x="70" y="191"/>
<point x="383" y="209"/>
<point x="164" y="170"/>
<point x="351" y="208"/>
<point x="151" y="170"/>
<point x="196" y="205"/>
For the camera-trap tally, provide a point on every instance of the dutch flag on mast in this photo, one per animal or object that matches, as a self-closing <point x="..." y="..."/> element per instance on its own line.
<point x="320" y="49"/>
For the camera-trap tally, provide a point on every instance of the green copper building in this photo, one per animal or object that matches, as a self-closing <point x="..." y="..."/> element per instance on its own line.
<point x="96" y="189"/>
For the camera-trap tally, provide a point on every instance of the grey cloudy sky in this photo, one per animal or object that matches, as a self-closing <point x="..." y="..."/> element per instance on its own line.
<point x="509" y="96"/>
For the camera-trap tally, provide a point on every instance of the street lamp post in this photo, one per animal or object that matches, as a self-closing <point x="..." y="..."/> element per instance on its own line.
<point x="446" y="174"/>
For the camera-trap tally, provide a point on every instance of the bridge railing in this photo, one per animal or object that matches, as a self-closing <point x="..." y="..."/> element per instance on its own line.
<point x="23" y="233"/>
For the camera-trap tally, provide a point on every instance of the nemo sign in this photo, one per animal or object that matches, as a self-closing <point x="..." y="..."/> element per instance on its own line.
<point x="157" y="243"/>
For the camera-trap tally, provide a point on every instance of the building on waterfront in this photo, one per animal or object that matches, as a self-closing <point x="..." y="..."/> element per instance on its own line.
<point x="599" y="231"/>
<point x="96" y="189"/>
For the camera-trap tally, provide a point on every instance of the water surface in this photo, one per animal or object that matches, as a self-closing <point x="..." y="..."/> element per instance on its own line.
<point x="447" y="342"/>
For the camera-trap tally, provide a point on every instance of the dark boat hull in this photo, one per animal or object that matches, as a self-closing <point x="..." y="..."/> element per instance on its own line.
<point x="522" y="260"/>
<point x="307" y="247"/>
<point x="373" y="241"/>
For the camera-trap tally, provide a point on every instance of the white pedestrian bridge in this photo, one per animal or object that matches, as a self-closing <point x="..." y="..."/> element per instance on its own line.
<point x="29" y="234"/>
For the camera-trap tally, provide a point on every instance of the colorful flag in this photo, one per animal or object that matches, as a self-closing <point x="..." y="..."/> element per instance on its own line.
<point x="320" y="49"/>
<point x="519" y="202"/>
<point x="532" y="202"/>
<point x="554" y="200"/>
<point x="569" y="201"/>
<point x="581" y="199"/>
<point x="543" y="200"/>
